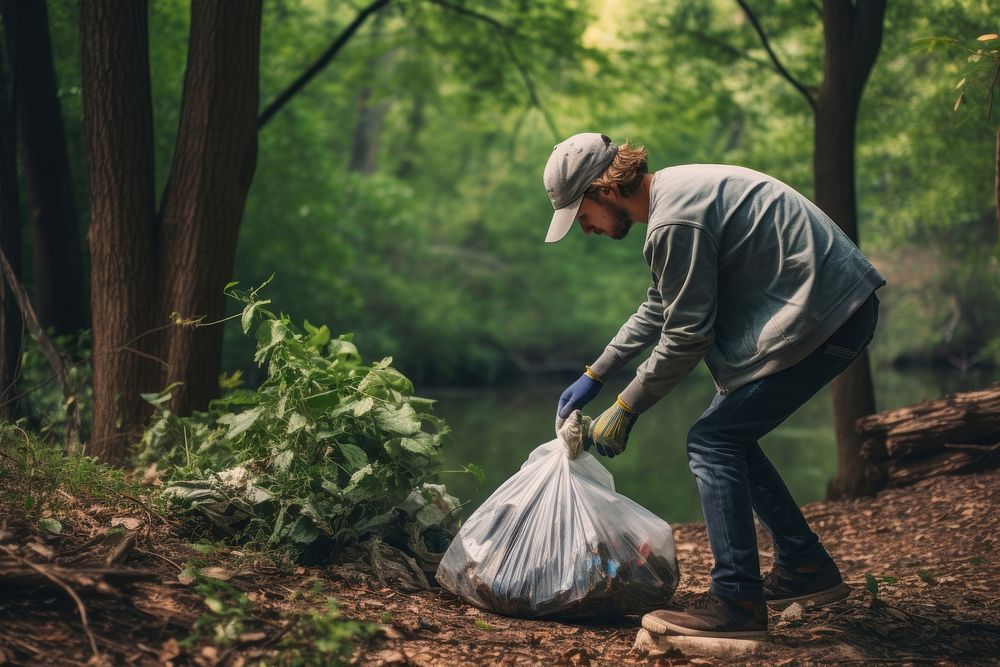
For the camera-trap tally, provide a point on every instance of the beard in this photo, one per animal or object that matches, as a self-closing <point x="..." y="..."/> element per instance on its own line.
<point x="622" y="222"/>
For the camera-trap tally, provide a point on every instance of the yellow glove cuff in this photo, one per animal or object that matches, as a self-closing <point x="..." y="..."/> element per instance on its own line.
<point x="625" y="406"/>
<point x="592" y="375"/>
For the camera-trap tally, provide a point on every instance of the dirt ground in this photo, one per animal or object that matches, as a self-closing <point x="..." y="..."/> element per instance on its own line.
<point x="932" y="548"/>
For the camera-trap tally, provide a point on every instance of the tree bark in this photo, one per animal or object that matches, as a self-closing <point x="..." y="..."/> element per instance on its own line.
<point x="915" y="430"/>
<point x="10" y="242"/>
<point x="213" y="165"/>
<point x="60" y="285"/>
<point x="117" y="109"/>
<point x="853" y="36"/>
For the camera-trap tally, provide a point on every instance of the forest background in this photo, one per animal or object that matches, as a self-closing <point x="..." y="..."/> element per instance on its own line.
<point x="398" y="195"/>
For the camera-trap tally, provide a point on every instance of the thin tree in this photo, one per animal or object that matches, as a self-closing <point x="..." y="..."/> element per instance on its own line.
<point x="10" y="320"/>
<point x="852" y="36"/>
<point x="60" y="283"/>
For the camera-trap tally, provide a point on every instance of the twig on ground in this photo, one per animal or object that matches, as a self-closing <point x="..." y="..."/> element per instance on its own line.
<point x="69" y="591"/>
<point x="121" y="550"/>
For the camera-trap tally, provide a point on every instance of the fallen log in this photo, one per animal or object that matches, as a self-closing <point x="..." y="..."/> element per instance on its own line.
<point x="917" y="430"/>
<point x="946" y="435"/>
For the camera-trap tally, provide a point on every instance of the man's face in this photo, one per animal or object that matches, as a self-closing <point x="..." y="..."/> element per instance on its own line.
<point x="603" y="217"/>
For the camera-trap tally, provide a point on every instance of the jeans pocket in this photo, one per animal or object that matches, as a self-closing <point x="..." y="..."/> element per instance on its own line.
<point x="855" y="334"/>
<point x="840" y="352"/>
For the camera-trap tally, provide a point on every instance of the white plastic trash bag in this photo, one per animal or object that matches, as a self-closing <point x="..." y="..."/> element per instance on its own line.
<point x="555" y="538"/>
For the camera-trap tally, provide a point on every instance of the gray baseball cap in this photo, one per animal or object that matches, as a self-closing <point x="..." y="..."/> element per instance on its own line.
<point x="573" y="166"/>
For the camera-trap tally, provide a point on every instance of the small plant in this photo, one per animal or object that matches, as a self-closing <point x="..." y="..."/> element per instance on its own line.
<point x="315" y="458"/>
<point x="321" y="637"/>
<point x="225" y="618"/>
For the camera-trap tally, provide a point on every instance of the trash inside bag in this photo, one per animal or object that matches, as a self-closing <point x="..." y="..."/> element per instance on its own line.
<point x="555" y="539"/>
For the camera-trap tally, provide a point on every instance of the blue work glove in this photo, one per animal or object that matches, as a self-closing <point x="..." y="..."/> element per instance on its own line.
<point x="579" y="393"/>
<point x="608" y="434"/>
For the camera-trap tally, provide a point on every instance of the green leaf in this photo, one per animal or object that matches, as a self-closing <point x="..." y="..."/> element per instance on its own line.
<point x="283" y="461"/>
<point x="354" y="456"/>
<point x="303" y="531"/>
<point x="162" y="396"/>
<point x="50" y="525"/>
<point x="476" y="472"/>
<point x="248" y="313"/>
<point x="296" y="422"/>
<point x="402" y="420"/>
<point x="423" y="446"/>
<point x="345" y="350"/>
<point x="871" y="585"/>
<point x="269" y="334"/>
<point x="323" y="401"/>
<point x="889" y="580"/>
<point x="215" y="604"/>
<point x="318" y="337"/>
<point x="239" y="424"/>
<point x="364" y="406"/>
<point x="927" y="577"/>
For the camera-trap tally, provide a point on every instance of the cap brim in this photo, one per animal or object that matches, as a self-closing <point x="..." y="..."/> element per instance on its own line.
<point x="562" y="221"/>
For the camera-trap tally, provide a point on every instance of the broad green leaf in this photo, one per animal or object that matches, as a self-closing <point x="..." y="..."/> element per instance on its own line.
<point x="354" y="456"/>
<point x="283" y="461"/>
<point x="423" y="446"/>
<point x="248" y="313"/>
<point x="296" y="422"/>
<point x="364" y="406"/>
<point x="323" y="401"/>
<point x="402" y="420"/>
<point x="50" y="525"/>
<point x="240" y="423"/>
<point x="345" y="350"/>
<point x="215" y="604"/>
<point x="269" y="334"/>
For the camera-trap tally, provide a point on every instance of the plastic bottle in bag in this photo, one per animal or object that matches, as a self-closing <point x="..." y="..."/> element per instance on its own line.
<point x="556" y="538"/>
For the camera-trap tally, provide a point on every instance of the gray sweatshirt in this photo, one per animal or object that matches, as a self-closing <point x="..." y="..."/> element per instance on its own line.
<point x="747" y="274"/>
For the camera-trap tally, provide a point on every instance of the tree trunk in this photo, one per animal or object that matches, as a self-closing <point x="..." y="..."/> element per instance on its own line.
<point x="117" y="109"/>
<point x="213" y="165"/>
<point x="60" y="286"/>
<point x="10" y="319"/>
<point x="853" y="36"/>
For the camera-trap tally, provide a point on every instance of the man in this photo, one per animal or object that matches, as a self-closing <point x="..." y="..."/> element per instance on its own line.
<point x="752" y="277"/>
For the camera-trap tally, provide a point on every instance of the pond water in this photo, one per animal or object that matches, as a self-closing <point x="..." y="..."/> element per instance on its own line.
<point x="497" y="429"/>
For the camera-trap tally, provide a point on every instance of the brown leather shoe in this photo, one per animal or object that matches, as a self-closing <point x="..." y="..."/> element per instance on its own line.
<point x="783" y="586"/>
<point x="710" y="616"/>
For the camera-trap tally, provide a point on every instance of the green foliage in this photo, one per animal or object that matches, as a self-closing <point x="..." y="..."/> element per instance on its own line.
<point x="321" y="637"/>
<point x="225" y="615"/>
<point x="42" y="401"/>
<point x="431" y="252"/>
<point x="333" y="444"/>
<point x="37" y="477"/>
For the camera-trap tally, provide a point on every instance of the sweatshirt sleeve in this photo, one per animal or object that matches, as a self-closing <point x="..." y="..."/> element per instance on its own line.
<point x="684" y="261"/>
<point x="639" y="332"/>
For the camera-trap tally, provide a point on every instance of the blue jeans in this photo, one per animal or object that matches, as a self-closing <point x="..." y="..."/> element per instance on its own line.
<point x="735" y="478"/>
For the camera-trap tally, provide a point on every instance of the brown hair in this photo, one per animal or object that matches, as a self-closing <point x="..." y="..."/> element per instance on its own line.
<point x="627" y="170"/>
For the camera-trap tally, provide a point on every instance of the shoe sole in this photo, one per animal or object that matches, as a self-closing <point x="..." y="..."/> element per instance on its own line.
<point x="658" y="627"/>
<point x="832" y="594"/>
